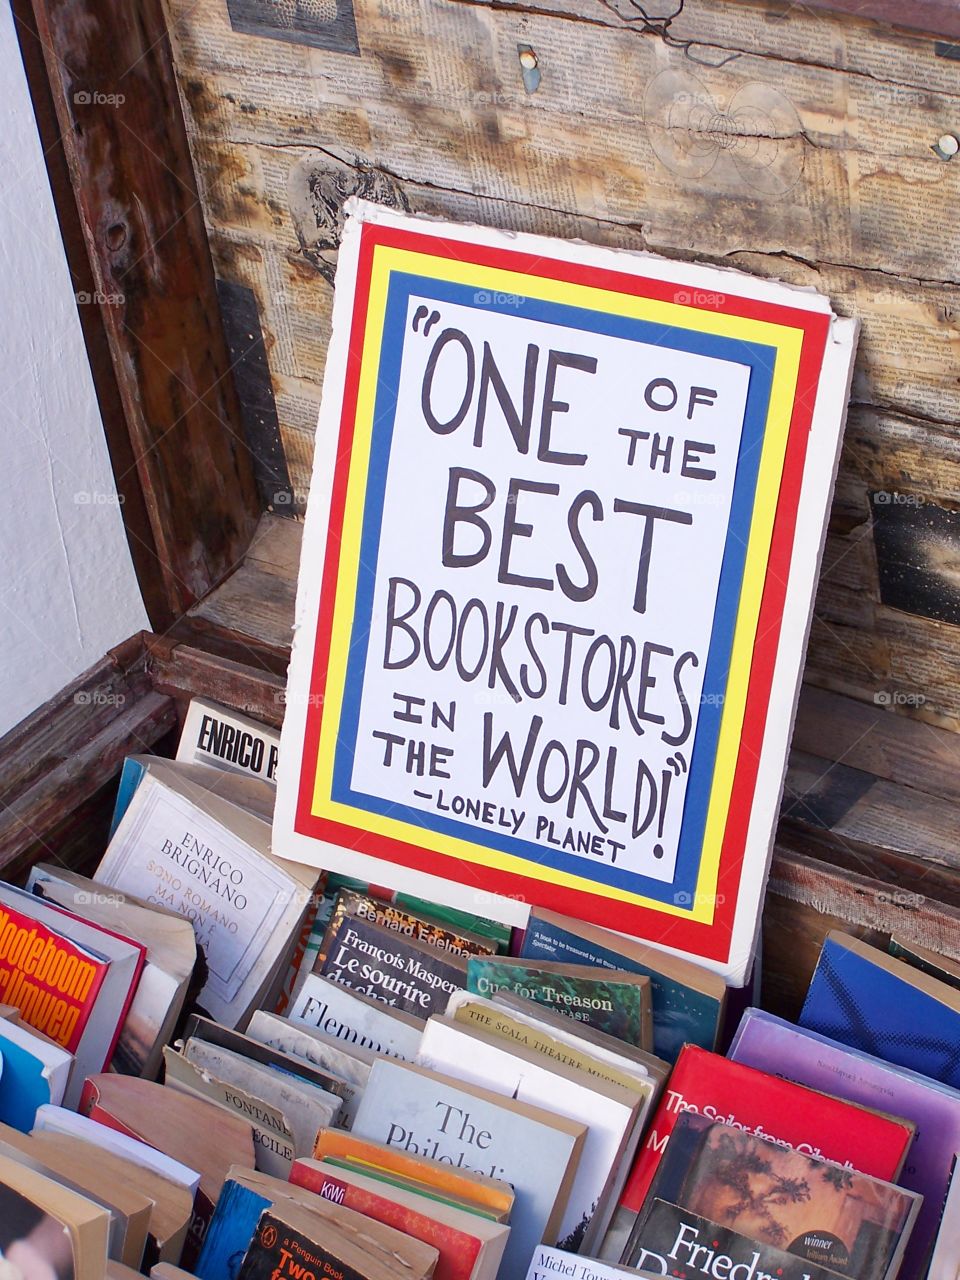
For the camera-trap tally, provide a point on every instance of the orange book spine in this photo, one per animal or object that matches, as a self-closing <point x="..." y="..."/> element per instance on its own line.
<point x="53" y="983"/>
<point x="341" y="1144"/>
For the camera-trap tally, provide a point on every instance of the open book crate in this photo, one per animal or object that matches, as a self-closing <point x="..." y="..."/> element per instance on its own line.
<point x="867" y="839"/>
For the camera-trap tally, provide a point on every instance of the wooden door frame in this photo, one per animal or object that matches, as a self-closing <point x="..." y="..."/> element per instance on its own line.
<point x="108" y="111"/>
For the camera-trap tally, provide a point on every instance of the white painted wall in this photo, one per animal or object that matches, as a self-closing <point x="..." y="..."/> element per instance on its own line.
<point x="67" y="586"/>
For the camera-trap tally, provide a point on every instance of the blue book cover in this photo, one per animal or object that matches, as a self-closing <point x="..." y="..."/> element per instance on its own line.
<point x="868" y="1000"/>
<point x="230" y="1232"/>
<point x="426" y="1113"/>
<point x="33" y="1073"/>
<point x="687" y="1001"/>
<point x="130" y="778"/>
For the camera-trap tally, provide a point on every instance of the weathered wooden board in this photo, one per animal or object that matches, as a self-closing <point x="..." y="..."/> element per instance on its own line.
<point x="115" y="94"/>
<point x="778" y="138"/>
<point x="54" y="762"/>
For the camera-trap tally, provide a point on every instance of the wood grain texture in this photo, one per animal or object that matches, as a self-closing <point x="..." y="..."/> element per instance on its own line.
<point x="182" y="672"/>
<point x="940" y="17"/>
<point x="779" y="138"/>
<point x="115" y="93"/>
<point x="58" y="759"/>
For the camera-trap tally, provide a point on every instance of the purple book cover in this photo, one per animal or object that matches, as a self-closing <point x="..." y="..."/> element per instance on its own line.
<point x="780" y="1048"/>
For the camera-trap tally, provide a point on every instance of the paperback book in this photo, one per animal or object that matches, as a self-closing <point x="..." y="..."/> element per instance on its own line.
<point x="537" y="1152"/>
<point x="378" y="962"/>
<point x="212" y="735"/>
<point x="404" y="921"/>
<point x="470" y="1246"/>
<point x="827" y="1214"/>
<point x="773" y="1045"/>
<point x="613" y="1001"/>
<point x="186" y="848"/>
<point x="866" y="998"/>
<point x="355" y="1019"/>
<point x="608" y="1111"/>
<point x="754" y="1101"/>
<point x="687" y="1002"/>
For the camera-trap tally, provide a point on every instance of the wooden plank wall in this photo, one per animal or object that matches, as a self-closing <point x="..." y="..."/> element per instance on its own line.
<point x="771" y="137"/>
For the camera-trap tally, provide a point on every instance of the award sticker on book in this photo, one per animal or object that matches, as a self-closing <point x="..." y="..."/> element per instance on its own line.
<point x="562" y="540"/>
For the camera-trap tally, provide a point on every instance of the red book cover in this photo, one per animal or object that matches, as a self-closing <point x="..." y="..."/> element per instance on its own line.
<point x="141" y="961"/>
<point x="768" y="1107"/>
<point x="49" y="979"/>
<point x="458" y="1250"/>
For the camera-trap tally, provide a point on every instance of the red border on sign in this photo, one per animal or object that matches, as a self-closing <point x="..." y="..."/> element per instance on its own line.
<point x="712" y="941"/>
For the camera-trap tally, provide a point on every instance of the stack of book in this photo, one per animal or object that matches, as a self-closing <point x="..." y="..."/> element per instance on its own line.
<point x="361" y="1084"/>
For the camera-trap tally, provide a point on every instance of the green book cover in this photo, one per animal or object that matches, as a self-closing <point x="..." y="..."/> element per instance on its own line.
<point x="597" y="997"/>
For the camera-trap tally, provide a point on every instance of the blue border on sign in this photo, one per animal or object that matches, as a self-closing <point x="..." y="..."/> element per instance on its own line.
<point x="760" y="358"/>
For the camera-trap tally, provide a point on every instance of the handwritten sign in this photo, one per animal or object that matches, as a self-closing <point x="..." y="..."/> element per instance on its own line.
<point x="560" y="553"/>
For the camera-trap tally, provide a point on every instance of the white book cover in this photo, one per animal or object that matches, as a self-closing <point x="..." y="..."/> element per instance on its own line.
<point x="568" y="1035"/>
<point x="52" y="1119"/>
<point x="549" y="1264"/>
<point x="341" y="1013"/>
<point x="313" y="1047"/>
<point x="185" y="848"/>
<point x="307" y="1108"/>
<point x="566" y="517"/>
<point x="610" y="1113"/>
<point x="227" y="740"/>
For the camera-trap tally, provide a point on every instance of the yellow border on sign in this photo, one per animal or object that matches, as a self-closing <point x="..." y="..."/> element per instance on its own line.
<point x="785" y="340"/>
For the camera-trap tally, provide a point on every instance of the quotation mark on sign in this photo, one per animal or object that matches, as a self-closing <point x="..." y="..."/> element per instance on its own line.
<point x="675" y="766"/>
<point x="419" y="314"/>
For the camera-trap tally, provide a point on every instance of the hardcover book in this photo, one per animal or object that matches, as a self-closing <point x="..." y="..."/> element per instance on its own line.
<point x="828" y="1214"/>
<point x="613" y="1001"/>
<point x="380" y="963"/>
<point x="749" y="1099"/>
<point x="608" y="1110"/>
<point x="355" y="1019"/>
<point x="687" y="1001"/>
<point x="866" y="998"/>
<point x="773" y="1045"/>
<point x="536" y="1151"/>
